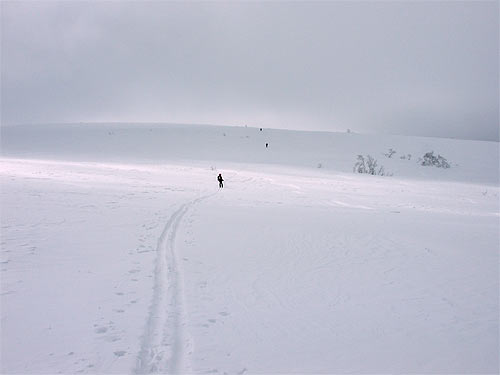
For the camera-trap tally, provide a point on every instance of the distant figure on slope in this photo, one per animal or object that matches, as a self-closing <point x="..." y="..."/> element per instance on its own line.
<point x="267" y="144"/>
<point x="219" y="178"/>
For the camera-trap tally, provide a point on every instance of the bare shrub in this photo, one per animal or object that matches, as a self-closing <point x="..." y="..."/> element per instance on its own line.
<point x="368" y="165"/>
<point x="429" y="159"/>
<point x="390" y="153"/>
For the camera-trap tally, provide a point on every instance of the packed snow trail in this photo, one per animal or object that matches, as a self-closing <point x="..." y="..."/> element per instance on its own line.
<point x="166" y="345"/>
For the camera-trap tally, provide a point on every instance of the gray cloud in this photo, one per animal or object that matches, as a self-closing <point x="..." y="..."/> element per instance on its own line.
<point x="423" y="68"/>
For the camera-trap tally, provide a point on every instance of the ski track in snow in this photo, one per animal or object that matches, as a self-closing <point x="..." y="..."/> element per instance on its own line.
<point x="166" y="346"/>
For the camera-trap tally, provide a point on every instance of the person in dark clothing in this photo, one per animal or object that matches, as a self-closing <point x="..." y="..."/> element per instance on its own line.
<point x="219" y="178"/>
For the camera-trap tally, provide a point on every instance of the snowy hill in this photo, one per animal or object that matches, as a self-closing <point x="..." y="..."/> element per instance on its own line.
<point x="472" y="161"/>
<point x="119" y="254"/>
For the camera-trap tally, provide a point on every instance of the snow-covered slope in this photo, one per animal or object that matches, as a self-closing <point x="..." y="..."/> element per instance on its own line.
<point x="119" y="254"/>
<point x="472" y="161"/>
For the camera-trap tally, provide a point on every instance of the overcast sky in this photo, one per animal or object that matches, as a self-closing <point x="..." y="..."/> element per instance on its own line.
<point x="417" y="68"/>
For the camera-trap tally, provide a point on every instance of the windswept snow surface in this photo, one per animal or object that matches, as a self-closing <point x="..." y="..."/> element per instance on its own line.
<point x="119" y="254"/>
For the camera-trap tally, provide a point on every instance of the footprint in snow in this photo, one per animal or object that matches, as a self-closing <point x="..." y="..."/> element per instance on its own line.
<point x="101" y="330"/>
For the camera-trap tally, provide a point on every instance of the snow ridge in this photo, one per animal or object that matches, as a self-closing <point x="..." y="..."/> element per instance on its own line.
<point x="165" y="345"/>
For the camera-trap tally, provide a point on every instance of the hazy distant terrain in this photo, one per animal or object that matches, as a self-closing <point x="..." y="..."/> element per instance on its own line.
<point x="472" y="161"/>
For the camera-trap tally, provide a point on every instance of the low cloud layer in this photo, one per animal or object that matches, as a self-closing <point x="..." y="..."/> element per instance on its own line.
<point x="417" y="68"/>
